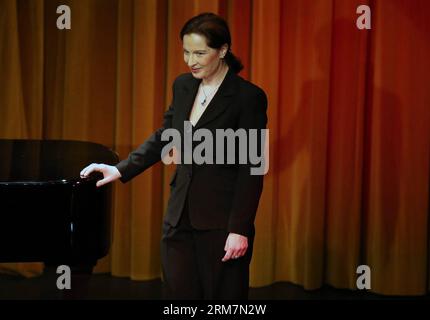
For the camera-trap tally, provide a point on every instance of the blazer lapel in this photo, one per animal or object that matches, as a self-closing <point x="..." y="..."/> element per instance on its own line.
<point x="220" y="101"/>
<point x="186" y="100"/>
<point x="218" y="104"/>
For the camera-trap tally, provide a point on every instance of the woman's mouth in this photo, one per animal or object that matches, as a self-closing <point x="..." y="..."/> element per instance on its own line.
<point x="195" y="70"/>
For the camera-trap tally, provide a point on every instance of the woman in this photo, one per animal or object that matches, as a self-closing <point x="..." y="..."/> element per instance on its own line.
<point x="208" y="229"/>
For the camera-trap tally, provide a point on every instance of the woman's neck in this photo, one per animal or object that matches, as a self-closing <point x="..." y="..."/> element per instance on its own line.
<point x="217" y="77"/>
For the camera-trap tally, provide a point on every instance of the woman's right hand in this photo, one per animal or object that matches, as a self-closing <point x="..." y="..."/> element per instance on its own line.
<point x="110" y="173"/>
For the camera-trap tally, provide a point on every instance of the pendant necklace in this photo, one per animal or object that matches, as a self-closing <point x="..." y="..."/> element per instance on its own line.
<point x="202" y="103"/>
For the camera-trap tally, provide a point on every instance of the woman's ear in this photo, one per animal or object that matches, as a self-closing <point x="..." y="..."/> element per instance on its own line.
<point x="223" y="50"/>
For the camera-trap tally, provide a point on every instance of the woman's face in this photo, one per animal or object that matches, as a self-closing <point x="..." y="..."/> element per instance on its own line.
<point x="202" y="60"/>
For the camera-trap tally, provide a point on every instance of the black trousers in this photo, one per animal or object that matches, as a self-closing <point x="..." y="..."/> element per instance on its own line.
<point x="192" y="266"/>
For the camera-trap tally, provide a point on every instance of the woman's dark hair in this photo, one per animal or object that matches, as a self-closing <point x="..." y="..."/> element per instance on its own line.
<point x="216" y="31"/>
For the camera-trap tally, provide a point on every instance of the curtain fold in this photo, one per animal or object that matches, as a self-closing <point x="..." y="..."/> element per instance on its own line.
<point x="349" y="120"/>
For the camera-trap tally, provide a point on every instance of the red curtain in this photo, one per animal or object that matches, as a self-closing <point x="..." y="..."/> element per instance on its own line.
<point x="349" y="115"/>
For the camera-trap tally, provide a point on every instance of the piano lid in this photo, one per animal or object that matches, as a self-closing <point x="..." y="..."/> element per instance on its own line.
<point x="49" y="161"/>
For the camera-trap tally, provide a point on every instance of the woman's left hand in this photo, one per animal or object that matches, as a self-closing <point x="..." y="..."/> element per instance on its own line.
<point x="235" y="246"/>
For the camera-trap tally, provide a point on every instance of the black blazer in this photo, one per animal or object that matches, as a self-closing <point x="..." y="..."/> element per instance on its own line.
<point x="220" y="196"/>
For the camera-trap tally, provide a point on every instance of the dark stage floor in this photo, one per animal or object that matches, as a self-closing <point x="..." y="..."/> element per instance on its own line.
<point x="104" y="286"/>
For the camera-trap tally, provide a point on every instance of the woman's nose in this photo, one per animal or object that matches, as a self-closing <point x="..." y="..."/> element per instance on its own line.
<point x="191" y="61"/>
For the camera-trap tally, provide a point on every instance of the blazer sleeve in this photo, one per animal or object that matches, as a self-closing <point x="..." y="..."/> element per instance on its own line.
<point x="248" y="187"/>
<point x="148" y="153"/>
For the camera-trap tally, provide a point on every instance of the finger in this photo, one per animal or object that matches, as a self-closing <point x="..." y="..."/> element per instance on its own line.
<point x="102" y="182"/>
<point x="87" y="169"/>
<point x="237" y="254"/>
<point x="93" y="168"/>
<point x="227" y="255"/>
<point x="83" y="171"/>
<point x="242" y="252"/>
<point x="226" y="245"/>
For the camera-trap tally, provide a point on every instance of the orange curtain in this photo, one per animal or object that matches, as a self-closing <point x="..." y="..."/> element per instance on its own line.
<point x="349" y="119"/>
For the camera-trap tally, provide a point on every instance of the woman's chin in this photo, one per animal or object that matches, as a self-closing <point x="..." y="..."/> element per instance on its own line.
<point x="197" y="75"/>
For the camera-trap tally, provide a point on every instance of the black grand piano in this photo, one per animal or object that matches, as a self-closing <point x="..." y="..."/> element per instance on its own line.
<point x="47" y="212"/>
